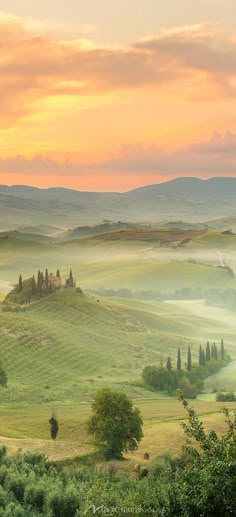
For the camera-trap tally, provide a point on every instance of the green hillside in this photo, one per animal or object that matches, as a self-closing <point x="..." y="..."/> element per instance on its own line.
<point x="64" y="347"/>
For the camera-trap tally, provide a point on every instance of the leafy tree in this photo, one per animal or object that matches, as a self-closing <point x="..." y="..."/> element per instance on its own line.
<point x="160" y="379"/>
<point x="189" y="362"/>
<point x="20" y="283"/>
<point x="208" y="352"/>
<point x="168" y="364"/>
<point x="179" y="360"/>
<point x="222" y="349"/>
<point x="206" y="486"/>
<point x="54" y="426"/>
<point x="115" y="423"/>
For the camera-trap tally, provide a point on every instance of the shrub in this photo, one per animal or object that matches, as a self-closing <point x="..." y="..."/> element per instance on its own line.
<point x="225" y="396"/>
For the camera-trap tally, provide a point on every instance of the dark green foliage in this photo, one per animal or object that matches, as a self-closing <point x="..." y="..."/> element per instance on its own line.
<point x="200" y="356"/>
<point x="115" y="423"/>
<point x="46" y="279"/>
<point x="58" y="273"/>
<point x="200" y="482"/>
<point x="226" y="396"/>
<point x="54" y="426"/>
<point x="39" y="281"/>
<point x="159" y="378"/>
<point x="203" y="358"/>
<point x="179" y="360"/>
<point x="20" y="283"/>
<point x="34" y="285"/>
<point x="208" y="352"/>
<point x="222" y="351"/>
<point x="189" y="361"/>
<point x="3" y="377"/>
<point x="168" y="364"/>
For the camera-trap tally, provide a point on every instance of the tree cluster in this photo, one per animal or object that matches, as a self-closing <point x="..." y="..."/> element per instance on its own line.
<point x="190" y="379"/>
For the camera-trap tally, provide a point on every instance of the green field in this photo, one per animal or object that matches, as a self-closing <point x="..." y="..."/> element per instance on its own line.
<point x="58" y="351"/>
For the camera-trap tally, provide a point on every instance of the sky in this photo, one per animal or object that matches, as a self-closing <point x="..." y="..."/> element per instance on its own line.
<point x="110" y="96"/>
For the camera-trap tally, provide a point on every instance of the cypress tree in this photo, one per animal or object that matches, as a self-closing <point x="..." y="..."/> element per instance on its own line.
<point x="216" y="352"/>
<point x="58" y="273"/>
<point x="208" y="352"/>
<point x="222" y="349"/>
<point x="203" y="358"/>
<point x="168" y="364"/>
<point x="46" y="279"/>
<point x="189" y="362"/>
<point x="42" y="279"/>
<point x="179" y="360"/>
<point x="212" y="352"/>
<point x="200" y="356"/>
<point x="20" y="283"/>
<point x="39" y="281"/>
<point x="54" y="426"/>
<point x="34" y="286"/>
<point x="71" y="279"/>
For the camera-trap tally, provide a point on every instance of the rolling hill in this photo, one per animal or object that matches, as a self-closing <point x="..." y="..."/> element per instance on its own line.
<point x="189" y="199"/>
<point x="62" y="349"/>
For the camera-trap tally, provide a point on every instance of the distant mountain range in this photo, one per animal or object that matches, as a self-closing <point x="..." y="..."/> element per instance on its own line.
<point x="189" y="199"/>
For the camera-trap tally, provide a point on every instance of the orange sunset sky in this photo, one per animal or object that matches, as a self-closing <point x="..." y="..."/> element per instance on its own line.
<point x="103" y="95"/>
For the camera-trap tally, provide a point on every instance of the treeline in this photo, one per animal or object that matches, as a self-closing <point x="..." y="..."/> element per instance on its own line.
<point x="188" y="377"/>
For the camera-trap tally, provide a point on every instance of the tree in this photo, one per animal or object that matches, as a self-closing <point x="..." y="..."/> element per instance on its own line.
<point x="58" y="273"/>
<point x="207" y="485"/>
<point x="222" y="349"/>
<point x="115" y="423"/>
<point x="54" y="426"/>
<point x="212" y="351"/>
<point x="46" y="279"/>
<point x="189" y="361"/>
<point x="179" y="360"/>
<point x="200" y="356"/>
<point x="203" y="358"/>
<point x="168" y="364"/>
<point x="71" y="278"/>
<point x="208" y="352"/>
<point x="20" y="283"/>
<point x="34" y="286"/>
<point x="3" y="377"/>
<point x="39" y="281"/>
<point x="160" y="378"/>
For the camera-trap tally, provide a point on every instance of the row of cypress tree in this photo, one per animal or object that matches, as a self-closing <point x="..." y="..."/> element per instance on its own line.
<point x="205" y="355"/>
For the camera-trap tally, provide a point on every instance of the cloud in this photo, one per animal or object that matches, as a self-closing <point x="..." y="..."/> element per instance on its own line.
<point x="217" y="156"/>
<point x="39" y="166"/>
<point x="214" y="157"/>
<point x="35" y="67"/>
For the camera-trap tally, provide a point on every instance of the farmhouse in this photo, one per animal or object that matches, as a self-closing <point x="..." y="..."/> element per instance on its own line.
<point x="54" y="281"/>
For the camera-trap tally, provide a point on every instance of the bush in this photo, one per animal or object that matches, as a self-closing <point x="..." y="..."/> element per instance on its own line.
<point x="225" y="396"/>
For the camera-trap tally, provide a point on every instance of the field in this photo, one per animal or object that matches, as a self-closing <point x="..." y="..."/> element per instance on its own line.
<point x="57" y="352"/>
